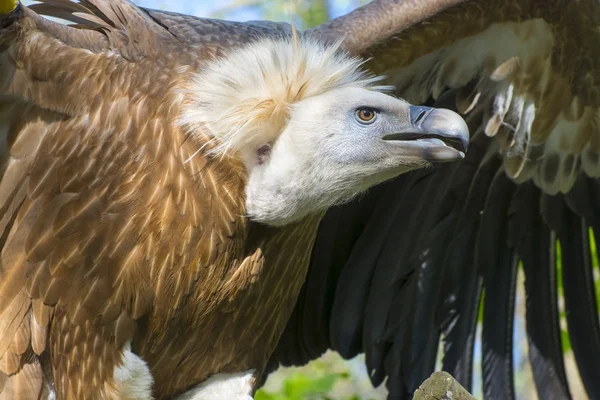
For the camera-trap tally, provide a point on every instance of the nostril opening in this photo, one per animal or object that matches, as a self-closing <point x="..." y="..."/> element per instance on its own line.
<point x="420" y="117"/>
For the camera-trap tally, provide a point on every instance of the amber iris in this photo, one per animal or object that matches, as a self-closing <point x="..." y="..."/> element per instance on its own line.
<point x="365" y="114"/>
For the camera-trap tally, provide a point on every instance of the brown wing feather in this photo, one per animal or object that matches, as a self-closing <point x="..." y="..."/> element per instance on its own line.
<point x="380" y="22"/>
<point x="100" y="214"/>
<point x="138" y="33"/>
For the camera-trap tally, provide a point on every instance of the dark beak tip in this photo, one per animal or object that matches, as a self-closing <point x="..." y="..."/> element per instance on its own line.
<point x="447" y="125"/>
<point x="460" y="138"/>
<point x="465" y="144"/>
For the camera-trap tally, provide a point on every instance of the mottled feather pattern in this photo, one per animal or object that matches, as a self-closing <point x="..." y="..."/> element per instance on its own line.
<point x="185" y="40"/>
<point x="116" y="229"/>
<point x="53" y="250"/>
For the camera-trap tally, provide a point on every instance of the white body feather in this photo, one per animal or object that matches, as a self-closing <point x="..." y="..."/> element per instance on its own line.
<point x="222" y="386"/>
<point x="132" y="379"/>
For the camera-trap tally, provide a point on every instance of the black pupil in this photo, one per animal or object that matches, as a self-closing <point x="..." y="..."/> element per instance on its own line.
<point x="367" y="114"/>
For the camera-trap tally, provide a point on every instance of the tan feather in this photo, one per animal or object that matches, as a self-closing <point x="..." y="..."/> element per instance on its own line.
<point x="38" y="337"/>
<point x="505" y="70"/>
<point x="12" y="318"/>
<point x="10" y="363"/>
<point x="42" y="313"/>
<point x="22" y="338"/>
<point x="27" y="384"/>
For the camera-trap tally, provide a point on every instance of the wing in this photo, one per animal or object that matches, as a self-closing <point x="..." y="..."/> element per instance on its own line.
<point x="406" y="266"/>
<point x="139" y="33"/>
<point x="94" y="191"/>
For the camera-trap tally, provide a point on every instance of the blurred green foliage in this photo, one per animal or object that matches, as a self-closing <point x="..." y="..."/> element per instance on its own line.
<point x="565" y="341"/>
<point x="305" y="13"/>
<point x="328" y="378"/>
<point x="298" y="386"/>
<point x="564" y="334"/>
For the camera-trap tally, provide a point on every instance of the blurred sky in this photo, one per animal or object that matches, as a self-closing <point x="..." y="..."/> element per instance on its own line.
<point x="238" y="10"/>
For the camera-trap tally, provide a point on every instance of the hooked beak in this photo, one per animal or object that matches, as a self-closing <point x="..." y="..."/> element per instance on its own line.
<point x="435" y="134"/>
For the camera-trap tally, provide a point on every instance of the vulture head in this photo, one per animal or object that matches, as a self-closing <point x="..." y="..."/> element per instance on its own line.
<point x="314" y="129"/>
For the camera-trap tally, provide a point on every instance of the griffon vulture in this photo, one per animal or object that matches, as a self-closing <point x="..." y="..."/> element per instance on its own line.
<point x="165" y="181"/>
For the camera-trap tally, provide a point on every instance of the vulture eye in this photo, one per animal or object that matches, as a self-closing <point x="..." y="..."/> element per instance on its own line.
<point x="366" y="115"/>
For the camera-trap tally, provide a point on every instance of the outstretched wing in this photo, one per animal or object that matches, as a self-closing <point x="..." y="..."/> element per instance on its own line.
<point x="94" y="189"/>
<point x="139" y="33"/>
<point x="406" y="266"/>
